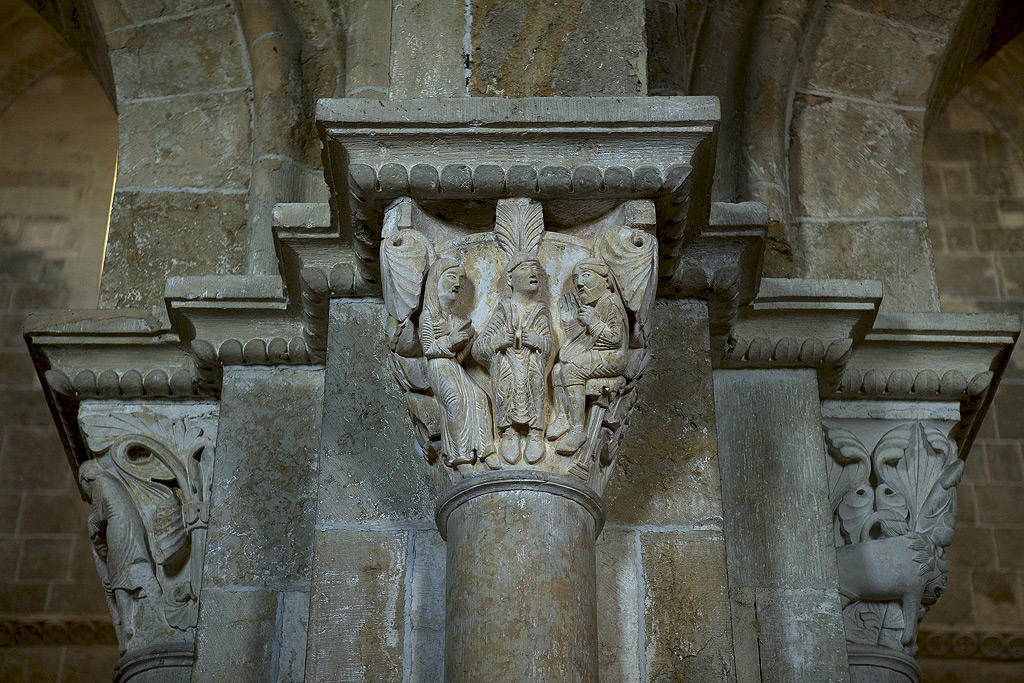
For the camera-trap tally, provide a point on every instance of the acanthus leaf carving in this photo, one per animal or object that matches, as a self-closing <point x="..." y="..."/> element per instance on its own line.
<point x="520" y="347"/>
<point x="149" y="484"/>
<point x="894" y="511"/>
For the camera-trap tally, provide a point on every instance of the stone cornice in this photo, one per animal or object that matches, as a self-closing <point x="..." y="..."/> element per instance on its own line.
<point x="586" y="150"/>
<point x="125" y="354"/>
<point x="801" y="324"/>
<point x="932" y="357"/>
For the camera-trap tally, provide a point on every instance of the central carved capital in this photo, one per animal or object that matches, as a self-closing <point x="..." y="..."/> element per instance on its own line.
<point x="519" y="347"/>
<point x="519" y="245"/>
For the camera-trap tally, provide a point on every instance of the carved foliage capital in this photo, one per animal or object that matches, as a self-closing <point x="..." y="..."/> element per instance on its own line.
<point x="893" y="501"/>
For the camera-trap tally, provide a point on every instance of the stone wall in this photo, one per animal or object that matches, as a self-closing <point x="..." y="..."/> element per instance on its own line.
<point x="58" y="139"/>
<point x="974" y="192"/>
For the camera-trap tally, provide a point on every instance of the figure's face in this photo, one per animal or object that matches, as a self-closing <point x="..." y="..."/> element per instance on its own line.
<point x="589" y="286"/>
<point x="450" y="285"/>
<point x="87" y="475"/>
<point x="526" y="277"/>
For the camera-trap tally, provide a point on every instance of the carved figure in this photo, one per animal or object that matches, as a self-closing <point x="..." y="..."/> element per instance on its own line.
<point x="481" y="398"/>
<point x="122" y="554"/>
<point x="467" y="432"/>
<point x="891" y="534"/>
<point x="149" y="487"/>
<point x="596" y="339"/>
<point x="516" y="342"/>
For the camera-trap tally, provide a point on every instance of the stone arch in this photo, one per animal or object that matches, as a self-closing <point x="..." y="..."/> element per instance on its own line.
<point x="974" y="195"/>
<point x="804" y="83"/>
<point x="216" y="115"/>
<point x="79" y="26"/>
<point x="58" y="147"/>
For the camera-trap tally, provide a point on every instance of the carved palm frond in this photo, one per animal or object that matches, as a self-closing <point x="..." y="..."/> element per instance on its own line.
<point x="920" y="465"/>
<point x="404" y="261"/>
<point x="518" y="225"/>
<point x="148" y="445"/>
<point x="849" y="486"/>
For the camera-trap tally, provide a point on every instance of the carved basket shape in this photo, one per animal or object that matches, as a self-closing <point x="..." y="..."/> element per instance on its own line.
<point x="519" y="347"/>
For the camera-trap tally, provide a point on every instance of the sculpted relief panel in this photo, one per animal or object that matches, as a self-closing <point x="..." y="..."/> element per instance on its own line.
<point x="519" y="347"/>
<point x="894" y="509"/>
<point x="149" y="485"/>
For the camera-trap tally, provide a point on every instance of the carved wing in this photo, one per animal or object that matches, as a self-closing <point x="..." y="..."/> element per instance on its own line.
<point x="404" y="260"/>
<point x="518" y="225"/>
<point x="632" y="256"/>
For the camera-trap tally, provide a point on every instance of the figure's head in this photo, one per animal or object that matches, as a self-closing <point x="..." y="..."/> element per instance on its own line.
<point x="591" y="279"/>
<point x="523" y="273"/>
<point x="449" y="285"/>
<point x="445" y="282"/>
<point x="88" y="471"/>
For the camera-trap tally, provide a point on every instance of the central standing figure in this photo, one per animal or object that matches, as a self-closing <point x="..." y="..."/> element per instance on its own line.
<point x="516" y="342"/>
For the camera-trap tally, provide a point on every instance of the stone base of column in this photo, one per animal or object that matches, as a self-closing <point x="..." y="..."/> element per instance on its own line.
<point x="521" y="582"/>
<point x="878" y="664"/>
<point x="161" y="663"/>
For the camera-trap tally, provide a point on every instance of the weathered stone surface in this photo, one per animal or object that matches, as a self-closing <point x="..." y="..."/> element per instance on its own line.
<point x="788" y="618"/>
<point x="667" y="470"/>
<point x="194" y="141"/>
<point x="262" y="519"/>
<point x="290" y="655"/>
<point x="117" y="13"/>
<point x="853" y="55"/>
<point x="142" y="223"/>
<point x="617" y="27"/>
<point x="357" y="607"/>
<point x="427" y="53"/>
<point x="427" y="609"/>
<point x="536" y="617"/>
<point x="800" y="637"/>
<point x="368" y="49"/>
<point x="195" y="53"/>
<point x="769" y="429"/>
<point x="933" y="16"/>
<point x="370" y="469"/>
<point x="896" y="252"/>
<point x="687" y="615"/>
<point x="827" y="170"/>
<point x="618" y="608"/>
<point x="237" y="634"/>
<point x="529" y="48"/>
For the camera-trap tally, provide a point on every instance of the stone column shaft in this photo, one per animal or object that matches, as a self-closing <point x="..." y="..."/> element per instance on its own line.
<point x="521" y="579"/>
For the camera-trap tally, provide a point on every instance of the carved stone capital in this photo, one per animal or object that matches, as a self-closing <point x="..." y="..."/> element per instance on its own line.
<point x="149" y="482"/>
<point x="892" y="488"/>
<point x="519" y="246"/>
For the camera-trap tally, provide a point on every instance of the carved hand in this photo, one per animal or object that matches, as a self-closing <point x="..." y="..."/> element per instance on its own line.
<point x="532" y="340"/>
<point x="587" y="315"/>
<point x="506" y="340"/>
<point x="461" y="335"/>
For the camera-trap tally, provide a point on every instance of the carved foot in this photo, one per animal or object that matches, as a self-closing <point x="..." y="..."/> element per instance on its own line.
<point x="557" y="428"/>
<point x="491" y="461"/>
<point x="510" y="446"/>
<point x="571" y="442"/>
<point x="534" y="447"/>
